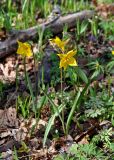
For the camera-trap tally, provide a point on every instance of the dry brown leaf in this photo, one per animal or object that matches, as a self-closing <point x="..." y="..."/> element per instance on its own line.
<point x="5" y="134"/>
<point x="2" y="141"/>
<point x="95" y="3"/>
<point x="84" y="140"/>
<point x="105" y="10"/>
<point x="40" y="154"/>
<point x="7" y="155"/>
<point x="8" y="118"/>
<point x="3" y="34"/>
<point x="20" y="135"/>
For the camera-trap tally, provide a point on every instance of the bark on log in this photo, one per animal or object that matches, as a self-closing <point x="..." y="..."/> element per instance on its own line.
<point x="10" y="44"/>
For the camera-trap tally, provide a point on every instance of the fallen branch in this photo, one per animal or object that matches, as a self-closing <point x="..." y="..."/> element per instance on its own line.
<point x="10" y="45"/>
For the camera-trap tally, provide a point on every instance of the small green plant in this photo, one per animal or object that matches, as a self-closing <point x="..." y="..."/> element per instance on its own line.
<point x="95" y="107"/>
<point x="94" y="26"/>
<point x="66" y="59"/>
<point x="24" y="148"/>
<point x="104" y="137"/>
<point x="110" y="65"/>
<point x="107" y="27"/>
<point x="7" y="21"/>
<point x="44" y="7"/>
<point x="1" y="20"/>
<point x="15" y="156"/>
<point x="97" y="68"/>
<point x="100" y="106"/>
<point x="74" y="5"/>
<point x="81" y="28"/>
<point x="82" y="152"/>
<point x="23" y="105"/>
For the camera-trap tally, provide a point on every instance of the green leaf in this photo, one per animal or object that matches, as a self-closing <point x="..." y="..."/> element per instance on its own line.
<point x="112" y="120"/>
<point x="23" y="148"/>
<point x="55" y="108"/>
<point x="81" y="74"/>
<point x="112" y="146"/>
<point x="31" y="91"/>
<point x="110" y="65"/>
<point x="83" y="28"/>
<point x="72" y="111"/>
<point x="76" y="105"/>
<point x="73" y="149"/>
<point x="15" y="156"/>
<point x="59" y="157"/>
<point x="41" y="102"/>
<point x="24" y="5"/>
<point x="50" y="123"/>
<point x="95" y="74"/>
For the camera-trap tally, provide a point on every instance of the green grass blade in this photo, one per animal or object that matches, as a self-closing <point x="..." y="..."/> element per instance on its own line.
<point x="76" y="105"/>
<point x="55" y="109"/>
<point x="50" y="123"/>
<point x="24" y="5"/>
<point x="81" y="74"/>
<point x="72" y="111"/>
<point x="31" y="92"/>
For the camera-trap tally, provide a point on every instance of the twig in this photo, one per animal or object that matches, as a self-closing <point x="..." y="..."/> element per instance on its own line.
<point x="56" y="26"/>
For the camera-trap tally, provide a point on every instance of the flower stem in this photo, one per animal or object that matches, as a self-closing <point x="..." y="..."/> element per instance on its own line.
<point x="24" y="61"/>
<point x="109" y="85"/>
<point x="62" y="97"/>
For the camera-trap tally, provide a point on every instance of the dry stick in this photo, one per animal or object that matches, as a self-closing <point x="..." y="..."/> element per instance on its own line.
<point x="56" y="26"/>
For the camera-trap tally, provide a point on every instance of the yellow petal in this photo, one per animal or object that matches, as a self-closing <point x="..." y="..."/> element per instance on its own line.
<point x="63" y="64"/>
<point x="20" y="50"/>
<point x="65" y="67"/>
<point x="19" y="43"/>
<point x="24" y="49"/>
<point x="71" y="53"/>
<point x="61" y="55"/>
<point x="26" y="45"/>
<point x="29" y="54"/>
<point x="72" y="62"/>
<point x="57" y="41"/>
<point x="112" y="52"/>
<point x="66" y="41"/>
<point x="62" y="47"/>
<point x="67" y="59"/>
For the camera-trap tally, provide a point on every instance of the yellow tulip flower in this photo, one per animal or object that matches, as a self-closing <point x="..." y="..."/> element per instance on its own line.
<point x="57" y="41"/>
<point x="67" y="59"/>
<point x="113" y="52"/>
<point x="24" y="49"/>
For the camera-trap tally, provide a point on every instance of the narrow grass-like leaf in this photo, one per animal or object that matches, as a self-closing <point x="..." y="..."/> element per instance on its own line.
<point x="76" y="105"/>
<point x="39" y="107"/>
<point x="83" y="28"/>
<point x="81" y="74"/>
<point x="55" y="109"/>
<point x="24" y="5"/>
<point x="31" y="92"/>
<point x="110" y="65"/>
<point x="15" y="156"/>
<point x="50" y="123"/>
<point x="72" y="111"/>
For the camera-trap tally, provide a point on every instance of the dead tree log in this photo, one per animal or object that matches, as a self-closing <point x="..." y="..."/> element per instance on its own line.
<point x="10" y="44"/>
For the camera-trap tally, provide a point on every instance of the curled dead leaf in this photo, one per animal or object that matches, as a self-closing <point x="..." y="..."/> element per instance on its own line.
<point x="8" y="118"/>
